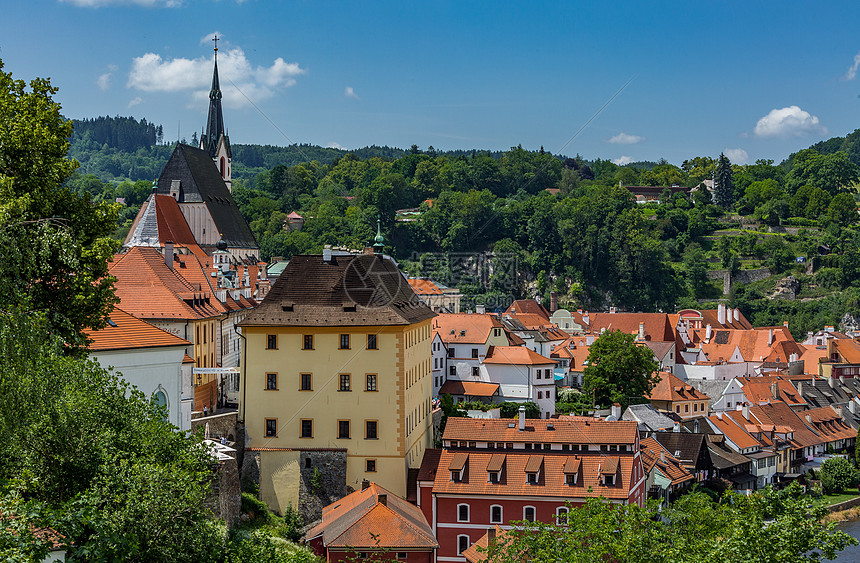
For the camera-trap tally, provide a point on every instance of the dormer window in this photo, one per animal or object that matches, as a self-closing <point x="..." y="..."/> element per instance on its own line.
<point x="608" y="471"/>
<point x="457" y="466"/>
<point x="494" y="468"/>
<point x="532" y="470"/>
<point x="571" y="470"/>
<point x="493" y="477"/>
<point x="609" y="480"/>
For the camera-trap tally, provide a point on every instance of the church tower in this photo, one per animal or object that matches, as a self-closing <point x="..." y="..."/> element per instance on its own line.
<point x="214" y="139"/>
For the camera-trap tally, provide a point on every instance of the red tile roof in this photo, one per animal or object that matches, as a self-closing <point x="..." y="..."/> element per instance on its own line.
<point x="424" y="287"/>
<point x="760" y="390"/>
<point x="671" y="388"/>
<point x="563" y="430"/>
<point x="126" y="331"/>
<point x="470" y="388"/>
<point x="374" y="519"/>
<point x="656" y="325"/>
<point x="655" y="455"/>
<point x="516" y="355"/>
<point x="521" y="306"/>
<point x="726" y="425"/>
<point x="465" y="328"/>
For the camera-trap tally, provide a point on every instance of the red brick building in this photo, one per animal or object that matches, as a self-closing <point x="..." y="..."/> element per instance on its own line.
<point x="494" y="471"/>
<point x="373" y="521"/>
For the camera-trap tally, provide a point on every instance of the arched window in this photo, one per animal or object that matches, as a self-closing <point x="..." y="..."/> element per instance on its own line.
<point x="462" y="513"/>
<point x="529" y="513"/>
<point x="462" y="544"/>
<point x="221" y="167"/>
<point x="496" y="514"/>
<point x="561" y="514"/>
<point x="160" y="399"/>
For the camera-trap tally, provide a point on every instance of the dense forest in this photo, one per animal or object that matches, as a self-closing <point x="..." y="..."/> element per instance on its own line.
<point x="521" y="223"/>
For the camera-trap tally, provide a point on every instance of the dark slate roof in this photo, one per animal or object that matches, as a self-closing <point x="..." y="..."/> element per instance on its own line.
<point x="723" y="457"/>
<point x="215" y="120"/>
<point x="687" y="448"/>
<point x="648" y="418"/>
<point x="350" y="290"/>
<point x="200" y="181"/>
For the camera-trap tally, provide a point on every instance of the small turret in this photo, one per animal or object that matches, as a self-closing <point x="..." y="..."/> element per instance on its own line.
<point x="378" y="240"/>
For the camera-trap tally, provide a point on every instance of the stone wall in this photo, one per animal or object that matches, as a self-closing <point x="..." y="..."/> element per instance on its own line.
<point x="741" y="276"/>
<point x="219" y="425"/>
<point x="225" y="493"/>
<point x="330" y="465"/>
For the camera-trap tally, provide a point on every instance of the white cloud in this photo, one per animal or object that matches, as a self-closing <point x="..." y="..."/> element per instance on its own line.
<point x="625" y="139"/>
<point x="789" y="121"/>
<point x="622" y="160"/>
<point x="152" y="73"/>
<point x="144" y="3"/>
<point x="350" y="93"/>
<point x="135" y="102"/>
<point x="737" y="156"/>
<point x="852" y="70"/>
<point x="334" y="145"/>
<point x="103" y="81"/>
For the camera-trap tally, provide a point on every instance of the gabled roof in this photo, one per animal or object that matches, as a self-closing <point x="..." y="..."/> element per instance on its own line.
<point x="374" y="518"/>
<point x="671" y="388"/>
<point x="531" y="306"/>
<point x="200" y="182"/>
<point x="516" y="355"/>
<point x="656" y="325"/>
<point x="686" y="447"/>
<point x="729" y="427"/>
<point x="465" y="328"/>
<point x="722" y="456"/>
<point x="654" y="455"/>
<point x="424" y="287"/>
<point x="849" y="350"/>
<point x="780" y="414"/>
<point x="569" y="430"/>
<point x="648" y="418"/>
<point x="127" y="332"/>
<point x="365" y="290"/>
<point x="159" y="220"/>
<point x="761" y="390"/>
<point x="754" y="345"/>
<point x="469" y="388"/>
<point x="148" y="289"/>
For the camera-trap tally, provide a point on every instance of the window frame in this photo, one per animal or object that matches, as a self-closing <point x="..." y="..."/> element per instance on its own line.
<point x="460" y="508"/>
<point x="271" y="341"/>
<point x="306" y="340"/>
<point x="460" y="538"/>
<point x="368" y="377"/>
<point x="340" y="386"/>
<point x="302" y="422"/>
<point x="372" y="342"/>
<point x="525" y="513"/>
<point x="367" y="426"/>
<point x="271" y="381"/>
<point x="274" y="430"/>
<point x="310" y="381"/>
<point x="368" y="468"/>
<point x="344" y="339"/>
<point x="340" y="427"/>
<point x="501" y="514"/>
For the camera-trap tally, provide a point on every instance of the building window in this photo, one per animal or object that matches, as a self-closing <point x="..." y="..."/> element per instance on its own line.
<point x="475" y="353"/>
<point x="540" y="394"/>
<point x="371" y="428"/>
<point x="451" y="352"/>
<point x="495" y="514"/>
<point x="271" y="342"/>
<point x="497" y="332"/>
<point x="402" y="555"/>
<point x="687" y="407"/>
<point x="474" y="371"/>
<point x="462" y="513"/>
<point x="462" y="544"/>
<point x="371" y="382"/>
<point x="307" y="428"/>
<point x="561" y="514"/>
<point x="371" y="342"/>
<point x="370" y="466"/>
<point x="344" y="342"/>
<point x="452" y="370"/>
<point x="308" y="342"/>
<point x="271" y="382"/>
<point x="529" y="513"/>
<point x="532" y="478"/>
<point x="493" y="477"/>
<point x="271" y="427"/>
<point x="677" y="408"/>
<point x="343" y="429"/>
<point x="570" y="479"/>
<point x="306" y="382"/>
<point x="344" y="382"/>
<point x="609" y="480"/>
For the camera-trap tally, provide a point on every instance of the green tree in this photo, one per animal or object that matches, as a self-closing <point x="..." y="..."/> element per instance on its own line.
<point x="695" y="268"/>
<point x="723" y="182"/>
<point x="838" y="474"/>
<point x="55" y="244"/>
<point x="829" y="172"/>
<point x="619" y="369"/>
<point x="843" y="210"/>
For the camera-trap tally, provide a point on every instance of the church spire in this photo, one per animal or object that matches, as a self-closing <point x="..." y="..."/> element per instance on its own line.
<point x="215" y="120"/>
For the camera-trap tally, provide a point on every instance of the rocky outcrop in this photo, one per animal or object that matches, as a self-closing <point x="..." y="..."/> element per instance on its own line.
<point x="787" y="288"/>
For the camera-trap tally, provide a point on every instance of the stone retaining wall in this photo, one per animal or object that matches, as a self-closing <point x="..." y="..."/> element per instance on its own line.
<point x="850" y="503"/>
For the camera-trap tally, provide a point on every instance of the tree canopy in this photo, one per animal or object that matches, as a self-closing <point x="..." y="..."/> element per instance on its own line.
<point x="619" y="369"/>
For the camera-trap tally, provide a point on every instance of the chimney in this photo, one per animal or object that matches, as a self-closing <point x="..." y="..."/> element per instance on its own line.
<point x="708" y="330"/>
<point x="327" y="254"/>
<point x="721" y="314"/>
<point x="491" y="534"/>
<point x="585" y="318"/>
<point x="368" y="250"/>
<point x="480" y="309"/>
<point x="382" y="499"/>
<point x="677" y="427"/>
<point x="168" y="253"/>
<point x="616" y="411"/>
<point x="719" y="415"/>
<point x="522" y="419"/>
<point x="641" y="331"/>
<point x="770" y="337"/>
<point x="774" y="390"/>
<point x="746" y="412"/>
<point x="365" y="484"/>
<point x="553" y="301"/>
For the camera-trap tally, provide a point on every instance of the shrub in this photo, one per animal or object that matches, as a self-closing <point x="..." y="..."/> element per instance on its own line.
<point x="838" y="474"/>
<point x="509" y="409"/>
<point x="294" y="524"/>
<point x="255" y="508"/>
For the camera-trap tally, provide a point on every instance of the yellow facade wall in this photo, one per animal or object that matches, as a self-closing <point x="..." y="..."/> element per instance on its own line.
<point x="279" y="479"/>
<point x="400" y="405"/>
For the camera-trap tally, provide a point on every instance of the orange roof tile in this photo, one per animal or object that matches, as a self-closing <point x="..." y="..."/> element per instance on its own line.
<point x="470" y="388"/>
<point x="656" y="325"/>
<point x="125" y="331"/>
<point x="466" y="328"/>
<point x="655" y="455"/>
<point x="565" y="430"/>
<point x="521" y="306"/>
<point x="760" y="390"/>
<point x="374" y="519"/>
<point x="780" y="414"/>
<point x="726" y="425"/>
<point x="424" y="287"/>
<point x="671" y="388"/>
<point x="516" y="355"/>
<point x="849" y="350"/>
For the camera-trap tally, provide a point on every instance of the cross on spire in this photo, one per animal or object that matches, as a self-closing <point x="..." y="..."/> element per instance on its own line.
<point x="215" y="39"/>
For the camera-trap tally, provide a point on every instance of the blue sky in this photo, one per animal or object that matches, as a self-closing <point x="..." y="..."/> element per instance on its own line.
<point x="754" y="79"/>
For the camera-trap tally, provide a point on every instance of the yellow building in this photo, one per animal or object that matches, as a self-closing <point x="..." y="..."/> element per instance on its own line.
<point x="337" y="357"/>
